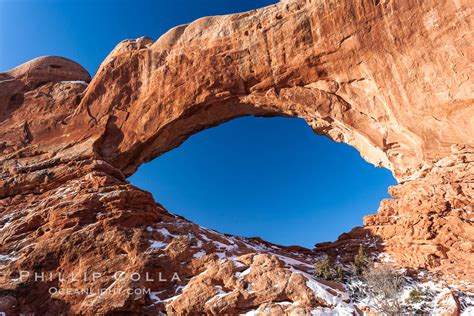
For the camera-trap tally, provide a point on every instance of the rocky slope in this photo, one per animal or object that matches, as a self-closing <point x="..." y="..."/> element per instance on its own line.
<point x="358" y="73"/>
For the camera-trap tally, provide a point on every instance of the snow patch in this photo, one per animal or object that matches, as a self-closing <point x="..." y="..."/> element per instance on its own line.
<point x="199" y="254"/>
<point x="163" y="231"/>
<point x="75" y="81"/>
<point x="468" y="311"/>
<point x="238" y="264"/>
<point x="290" y="261"/>
<point x="224" y="246"/>
<point x="154" y="297"/>
<point x="7" y="221"/>
<point x="156" y="244"/>
<point x="220" y="292"/>
<point x="6" y="258"/>
<point x="240" y="275"/>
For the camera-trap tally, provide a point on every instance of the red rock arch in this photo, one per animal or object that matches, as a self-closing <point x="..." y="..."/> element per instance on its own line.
<point x="351" y="72"/>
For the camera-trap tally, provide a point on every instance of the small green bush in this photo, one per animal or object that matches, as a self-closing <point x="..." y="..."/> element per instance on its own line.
<point x="419" y="300"/>
<point x="416" y="296"/>
<point x="327" y="270"/>
<point x="339" y="274"/>
<point x="322" y="269"/>
<point x="361" y="262"/>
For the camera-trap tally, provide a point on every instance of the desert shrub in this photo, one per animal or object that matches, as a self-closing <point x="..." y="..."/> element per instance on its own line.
<point x="339" y="274"/>
<point x="416" y="296"/>
<point x="419" y="301"/>
<point x="322" y="269"/>
<point x="384" y="288"/>
<point x="361" y="262"/>
<point x="328" y="270"/>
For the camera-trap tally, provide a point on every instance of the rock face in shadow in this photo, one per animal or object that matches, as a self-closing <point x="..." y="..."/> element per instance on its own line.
<point x="400" y="92"/>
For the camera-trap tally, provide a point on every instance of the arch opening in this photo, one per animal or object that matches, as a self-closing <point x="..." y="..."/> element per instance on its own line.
<point x="268" y="177"/>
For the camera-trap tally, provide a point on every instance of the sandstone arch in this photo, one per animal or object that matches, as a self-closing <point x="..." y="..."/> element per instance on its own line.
<point x="399" y="92"/>
<point x="367" y="83"/>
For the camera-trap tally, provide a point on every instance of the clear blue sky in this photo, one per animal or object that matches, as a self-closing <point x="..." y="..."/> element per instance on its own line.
<point x="268" y="177"/>
<point x="272" y="178"/>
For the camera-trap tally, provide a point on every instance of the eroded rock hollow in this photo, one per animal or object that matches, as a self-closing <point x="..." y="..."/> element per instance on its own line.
<point x="391" y="78"/>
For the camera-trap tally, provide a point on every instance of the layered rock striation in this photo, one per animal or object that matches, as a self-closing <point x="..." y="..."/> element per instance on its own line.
<point x="390" y="78"/>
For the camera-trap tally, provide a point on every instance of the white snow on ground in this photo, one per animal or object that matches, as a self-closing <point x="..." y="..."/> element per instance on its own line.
<point x="74" y="81"/>
<point x="6" y="258"/>
<point x="16" y="254"/>
<point x="199" y="254"/>
<point x="203" y="272"/>
<point x="165" y="232"/>
<point x="467" y="304"/>
<point x="243" y="273"/>
<point x="257" y="248"/>
<point x="320" y="290"/>
<point x="223" y="256"/>
<point x="238" y="264"/>
<point x="220" y="293"/>
<point x="156" y="244"/>
<point x="180" y="288"/>
<point x="65" y="192"/>
<point x="154" y="297"/>
<point x="468" y="311"/>
<point x="204" y="237"/>
<point x="249" y="288"/>
<point x="383" y="257"/>
<point x="7" y="221"/>
<point x="224" y="246"/>
<point x="337" y="310"/>
<point x="290" y="261"/>
<point x="199" y="243"/>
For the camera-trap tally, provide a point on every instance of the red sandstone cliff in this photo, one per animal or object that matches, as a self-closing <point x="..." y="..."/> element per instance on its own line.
<point x="390" y="78"/>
